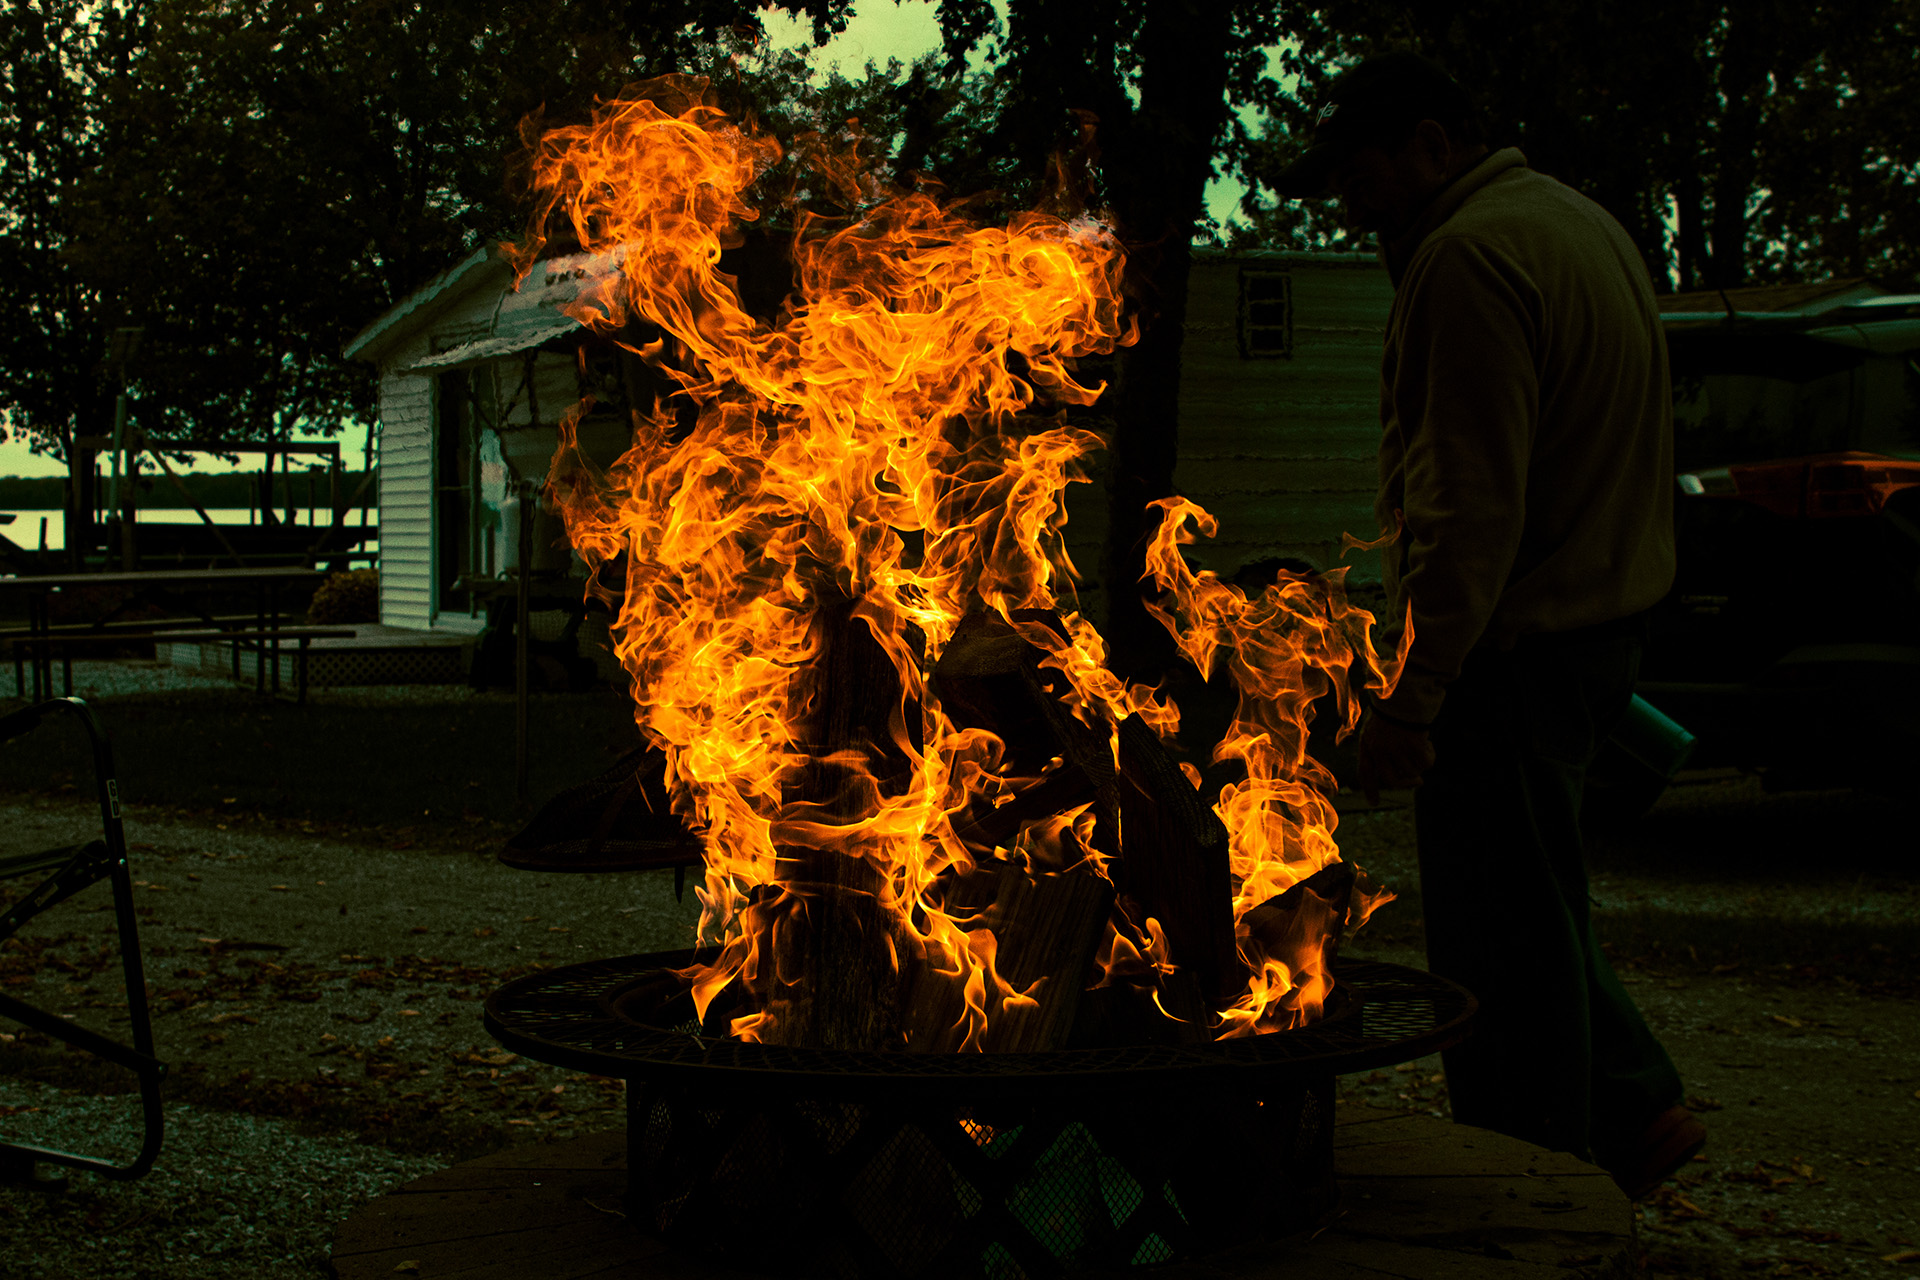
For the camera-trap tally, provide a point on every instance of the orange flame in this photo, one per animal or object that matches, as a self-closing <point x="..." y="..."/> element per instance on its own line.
<point x="1286" y="647"/>
<point x="874" y="446"/>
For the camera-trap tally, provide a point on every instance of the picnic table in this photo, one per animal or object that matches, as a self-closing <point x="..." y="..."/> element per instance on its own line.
<point x="179" y="590"/>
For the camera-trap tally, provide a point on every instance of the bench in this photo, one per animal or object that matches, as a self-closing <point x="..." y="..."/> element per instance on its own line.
<point x="131" y="631"/>
<point x="266" y="643"/>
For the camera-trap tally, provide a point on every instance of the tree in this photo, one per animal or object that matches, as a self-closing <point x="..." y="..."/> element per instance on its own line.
<point x="303" y="166"/>
<point x="1838" y="159"/>
<point x="1157" y="79"/>
<point x="1732" y="141"/>
<point x="253" y="182"/>
<point x="59" y="60"/>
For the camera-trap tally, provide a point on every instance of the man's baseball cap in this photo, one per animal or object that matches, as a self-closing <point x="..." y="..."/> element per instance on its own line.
<point x="1376" y="103"/>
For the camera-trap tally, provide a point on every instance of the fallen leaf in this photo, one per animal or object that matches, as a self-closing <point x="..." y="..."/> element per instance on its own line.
<point x="281" y="887"/>
<point x="483" y="932"/>
<point x="409" y="1013"/>
<point x="1905" y="1255"/>
<point x="411" y="1267"/>
<point x="1785" y="1021"/>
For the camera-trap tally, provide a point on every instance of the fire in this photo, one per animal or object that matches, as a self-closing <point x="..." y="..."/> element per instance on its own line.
<point x="861" y="475"/>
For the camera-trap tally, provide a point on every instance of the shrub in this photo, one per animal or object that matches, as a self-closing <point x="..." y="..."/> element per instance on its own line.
<point x="346" y="598"/>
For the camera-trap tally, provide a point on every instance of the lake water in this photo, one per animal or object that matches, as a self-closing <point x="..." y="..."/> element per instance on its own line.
<point x="24" y="530"/>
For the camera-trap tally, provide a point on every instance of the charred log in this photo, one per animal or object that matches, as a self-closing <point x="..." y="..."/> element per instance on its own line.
<point x="1313" y="910"/>
<point x="990" y="678"/>
<point x="840" y="934"/>
<point x="1175" y="867"/>
<point x="1046" y="929"/>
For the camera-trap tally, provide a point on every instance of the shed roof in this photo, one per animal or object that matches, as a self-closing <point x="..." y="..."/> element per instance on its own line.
<point x="522" y="316"/>
<point x="394" y="322"/>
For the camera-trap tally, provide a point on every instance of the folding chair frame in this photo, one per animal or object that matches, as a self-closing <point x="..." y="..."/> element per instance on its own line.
<point x="72" y="869"/>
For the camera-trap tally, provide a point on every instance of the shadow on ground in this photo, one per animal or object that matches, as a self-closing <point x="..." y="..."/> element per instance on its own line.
<point x="360" y="760"/>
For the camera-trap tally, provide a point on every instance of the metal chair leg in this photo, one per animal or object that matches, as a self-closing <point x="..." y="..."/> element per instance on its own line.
<point x="74" y="869"/>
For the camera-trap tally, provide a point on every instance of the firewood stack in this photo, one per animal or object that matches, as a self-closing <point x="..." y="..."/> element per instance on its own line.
<point x="1073" y="943"/>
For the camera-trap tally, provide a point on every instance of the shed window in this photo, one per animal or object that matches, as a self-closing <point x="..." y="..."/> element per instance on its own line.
<point x="1266" y="314"/>
<point x="465" y="403"/>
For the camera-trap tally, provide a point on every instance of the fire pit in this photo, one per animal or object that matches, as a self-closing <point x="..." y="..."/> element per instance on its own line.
<point x="1028" y="1164"/>
<point x="999" y="979"/>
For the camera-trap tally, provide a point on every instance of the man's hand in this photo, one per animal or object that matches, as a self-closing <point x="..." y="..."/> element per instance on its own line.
<point x="1391" y="755"/>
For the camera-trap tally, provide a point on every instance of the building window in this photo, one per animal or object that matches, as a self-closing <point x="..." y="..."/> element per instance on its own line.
<point x="464" y="403"/>
<point x="1266" y="314"/>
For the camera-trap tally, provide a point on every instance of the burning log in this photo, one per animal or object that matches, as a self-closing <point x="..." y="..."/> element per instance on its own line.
<point x="1316" y="905"/>
<point x="1175" y="869"/>
<point x="842" y="937"/>
<point x="871" y="434"/>
<point x="1305" y="923"/>
<point x="1044" y="930"/>
<point x="989" y="678"/>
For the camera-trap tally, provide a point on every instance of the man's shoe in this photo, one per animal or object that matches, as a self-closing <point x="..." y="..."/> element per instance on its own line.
<point x="1674" y="1138"/>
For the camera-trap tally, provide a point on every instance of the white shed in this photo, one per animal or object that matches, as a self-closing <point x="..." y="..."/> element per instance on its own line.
<point x="473" y="376"/>
<point x="1280" y="403"/>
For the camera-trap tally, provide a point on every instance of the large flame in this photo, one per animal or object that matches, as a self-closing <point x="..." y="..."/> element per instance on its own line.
<point x="875" y="455"/>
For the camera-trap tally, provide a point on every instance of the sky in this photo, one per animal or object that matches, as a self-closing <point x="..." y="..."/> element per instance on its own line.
<point x="881" y="31"/>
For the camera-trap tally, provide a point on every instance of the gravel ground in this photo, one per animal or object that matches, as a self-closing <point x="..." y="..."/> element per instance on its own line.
<point x="316" y="991"/>
<point x="235" y="1196"/>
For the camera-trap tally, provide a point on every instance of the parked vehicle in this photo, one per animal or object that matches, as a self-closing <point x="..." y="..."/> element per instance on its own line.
<point x="1790" y="644"/>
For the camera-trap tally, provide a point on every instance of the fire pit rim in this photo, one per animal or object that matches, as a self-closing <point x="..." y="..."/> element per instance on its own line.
<point x="561" y="1017"/>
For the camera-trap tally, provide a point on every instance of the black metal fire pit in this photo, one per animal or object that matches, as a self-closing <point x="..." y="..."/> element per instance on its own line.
<point x="1004" y="1166"/>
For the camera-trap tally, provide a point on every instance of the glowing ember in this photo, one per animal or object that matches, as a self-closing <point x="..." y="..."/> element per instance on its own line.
<point x="861" y="476"/>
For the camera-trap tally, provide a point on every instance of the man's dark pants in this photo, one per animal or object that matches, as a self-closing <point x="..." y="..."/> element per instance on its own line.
<point x="1561" y="1056"/>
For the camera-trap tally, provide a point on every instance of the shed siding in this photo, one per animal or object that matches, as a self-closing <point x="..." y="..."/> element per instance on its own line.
<point x="408" y="592"/>
<point x="1283" y="450"/>
<point x="406" y="453"/>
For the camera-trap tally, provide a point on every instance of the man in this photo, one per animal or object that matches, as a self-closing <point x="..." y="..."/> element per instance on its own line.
<point x="1527" y="457"/>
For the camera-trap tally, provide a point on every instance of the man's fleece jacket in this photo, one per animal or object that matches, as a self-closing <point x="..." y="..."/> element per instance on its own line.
<point x="1528" y="424"/>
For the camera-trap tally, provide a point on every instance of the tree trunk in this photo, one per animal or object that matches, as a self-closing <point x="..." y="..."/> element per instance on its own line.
<point x="1743" y="84"/>
<point x="1156" y="173"/>
<point x="1691" y="242"/>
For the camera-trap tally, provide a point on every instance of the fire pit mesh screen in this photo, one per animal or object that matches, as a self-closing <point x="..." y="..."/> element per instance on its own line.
<point x="1002" y="1166"/>
<point x="1008" y="1193"/>
<point x="586" y="1016"/>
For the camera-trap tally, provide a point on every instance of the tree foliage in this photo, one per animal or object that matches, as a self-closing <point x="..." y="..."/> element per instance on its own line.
<point x="1768" y="139"/>
<point x="252" y="182"/>
<point x="58" y="61"/>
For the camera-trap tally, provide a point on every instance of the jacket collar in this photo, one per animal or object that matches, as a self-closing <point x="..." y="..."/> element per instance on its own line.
<point x="1396" y="254"/>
